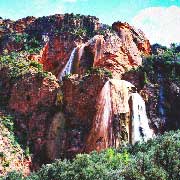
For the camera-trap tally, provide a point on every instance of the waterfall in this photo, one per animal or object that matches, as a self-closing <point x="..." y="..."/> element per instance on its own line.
<point x="113" y="117"/>
<point x="101" y="131"/>
<point x="68" y="67"/>
<point x="161" y="100"/>
<point x="140" y="127"/>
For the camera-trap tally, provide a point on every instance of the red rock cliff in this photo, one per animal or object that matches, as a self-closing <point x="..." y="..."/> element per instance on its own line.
<point x="70" y="128"/>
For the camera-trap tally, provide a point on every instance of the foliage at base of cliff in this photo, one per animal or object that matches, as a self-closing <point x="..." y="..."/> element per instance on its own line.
<point x="158" y="159"/>
<point x="12" y="156"/>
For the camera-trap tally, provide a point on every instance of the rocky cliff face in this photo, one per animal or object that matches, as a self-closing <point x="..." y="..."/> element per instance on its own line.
<point x="116" y="52"/>
<point x="32" y="98"/>
<point x="99" y="52"/>
<point x="89" y="110"/>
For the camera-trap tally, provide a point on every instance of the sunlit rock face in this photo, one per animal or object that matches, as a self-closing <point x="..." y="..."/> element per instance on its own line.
<point x="94" y="123"/>
<point x="120" y="94"/>
<point x="101" y="133"/>
<point x="132" y="38"/>
<point x="105" y="52"/>
<point x="117" y="52"/>
<point x="112" y="105"/>
<point x="56" y="53"/>
<point x="86" y="110"/>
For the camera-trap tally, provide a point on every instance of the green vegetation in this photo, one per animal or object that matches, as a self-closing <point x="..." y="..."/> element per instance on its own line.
<point x="104" y="30"/>
<point x="19" y="38"/>
<point x="164" y="60"/>
<point x="158" y="159"/>
<point x="7" y="132"/>
<point x="79" y="26"/>
<point x="13" y="176"/>
<point x="80" y="32"/>
<point x="67" y="76"/>
<point x="30" y="44"/>
<point x="99" y="71"/>
<point x="8" y="122"/>
<point x="37" y="65"/>
<point x="18" y="65"/>
<point x="15" y="63"/>
<point x="95" y="71"/>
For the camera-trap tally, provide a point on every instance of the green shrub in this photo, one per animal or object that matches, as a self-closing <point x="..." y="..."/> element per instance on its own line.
<point x="158" y="159"/>
<point x="18" y="65"/>
<point x="13" y="176"/>
<point x="20" y="38"/>
<point x="7" y="121"/>
<point x="80" y="32"/>
<point x="166" y="61"/>
<point x="36" y="65"/>
<point x="99" y="71"/>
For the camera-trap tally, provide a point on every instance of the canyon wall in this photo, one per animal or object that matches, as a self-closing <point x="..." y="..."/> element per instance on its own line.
<point x="90" y="107"/>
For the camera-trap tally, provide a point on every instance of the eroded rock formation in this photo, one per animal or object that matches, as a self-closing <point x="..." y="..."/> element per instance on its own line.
<point x="89" y="110"/>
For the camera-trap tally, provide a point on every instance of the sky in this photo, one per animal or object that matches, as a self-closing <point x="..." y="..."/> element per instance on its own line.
<point x="158" y="19"/>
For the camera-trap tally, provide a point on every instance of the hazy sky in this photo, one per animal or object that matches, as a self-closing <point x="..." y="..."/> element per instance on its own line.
<point x="159" y="19"/>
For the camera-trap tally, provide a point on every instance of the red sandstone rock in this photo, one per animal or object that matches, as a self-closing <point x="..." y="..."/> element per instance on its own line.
<point x="35" y="96"/>
<point x="55" y="54"/>
<point x="32" y="91"/>
<point x="19" y="26"/>
<point x="131" y="36"/>
<point x="112" y="116"/>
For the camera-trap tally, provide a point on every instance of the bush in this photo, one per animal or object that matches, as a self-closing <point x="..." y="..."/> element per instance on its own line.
<point x="8" y="122"/>
<point x="99" y="71"/>
<point x="18" y="65"/>
<point x="13" y="176"/>
<point x="158" y="159"/>
<point x="36" y="65"/>
<point x="166" y="62"/>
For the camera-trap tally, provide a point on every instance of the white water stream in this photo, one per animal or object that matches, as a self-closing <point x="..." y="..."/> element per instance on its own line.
<point x="68" y="67"/>
<point x="140" y="127"/>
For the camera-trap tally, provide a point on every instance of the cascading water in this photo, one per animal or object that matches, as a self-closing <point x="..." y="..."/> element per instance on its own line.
<point x="114" y="100"/>
<point x="140" y="127"/>
<point x="68" y="67"/>
<point x="100" y="133"/>
<point x="161" y="100"/>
